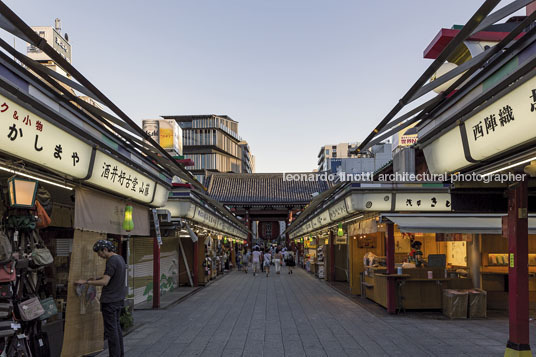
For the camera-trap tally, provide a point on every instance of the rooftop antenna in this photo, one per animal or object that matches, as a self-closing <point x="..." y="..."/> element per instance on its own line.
<point x="57" y="25"/>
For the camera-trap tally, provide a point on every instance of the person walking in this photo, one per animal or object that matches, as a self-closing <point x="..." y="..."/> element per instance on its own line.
<point x="256" y="260"/>
<point x="245" y="260"/>
<point x="239" y="260"/>
<point x="267" y="261"/>
<point x="290" y="261"/>
<point x="277" y="261"/>
<point x="112" y="296"/>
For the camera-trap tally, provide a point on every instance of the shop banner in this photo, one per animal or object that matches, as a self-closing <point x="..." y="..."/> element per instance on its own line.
<point x="32" y="138"/>
<point x="99" y="212"/>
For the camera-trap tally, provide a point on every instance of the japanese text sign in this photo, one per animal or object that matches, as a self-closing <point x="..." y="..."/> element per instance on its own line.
<point x="113" y="175"/>
<point x="507" y="122"/>
<point x="32" y="138"/>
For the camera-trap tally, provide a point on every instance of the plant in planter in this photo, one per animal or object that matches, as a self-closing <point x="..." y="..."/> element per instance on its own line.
<point x="126" y="319"/>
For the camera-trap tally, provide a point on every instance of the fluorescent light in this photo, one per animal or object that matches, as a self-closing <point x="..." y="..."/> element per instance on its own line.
<point x="509" y="166"/>
<point x="34" y="178"/>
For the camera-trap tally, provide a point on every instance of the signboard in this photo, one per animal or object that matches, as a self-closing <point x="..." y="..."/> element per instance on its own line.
<point x="157" y="226"/>
<point x="36" y="140"/>
<point x="166" y="132"/>
<point x="453" y="237"/>
<point x="341" y="240"/>
<point x="423" y="202"/>
<point x="506" y="123"/>
<point x="405" y="137"/>
<point x="115" y="176"/>
<point x="338" y="211"/>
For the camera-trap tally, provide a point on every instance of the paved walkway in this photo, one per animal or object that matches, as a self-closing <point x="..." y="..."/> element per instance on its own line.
<point x="298" y="315"/>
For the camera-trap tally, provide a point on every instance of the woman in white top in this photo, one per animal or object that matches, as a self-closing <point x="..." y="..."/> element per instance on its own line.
<point x="277" y="260"/>
<point x="267" y="259"/>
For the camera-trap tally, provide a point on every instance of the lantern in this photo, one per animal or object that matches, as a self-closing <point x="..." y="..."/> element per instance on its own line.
<point x="340" y="231"/>
<point x="128" y="223"/>
<point x="21" y="192"/>
<point x="225" y="240"/>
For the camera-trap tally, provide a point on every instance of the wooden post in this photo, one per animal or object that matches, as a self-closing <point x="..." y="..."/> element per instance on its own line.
<point x="518" y="274"/>
<point x="196" y="263"/>
<point x="390" y="256"/>
<point x="156" y="274"/>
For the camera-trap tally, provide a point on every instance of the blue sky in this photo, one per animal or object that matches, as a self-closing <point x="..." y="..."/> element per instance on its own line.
<point x="296" y="74"/>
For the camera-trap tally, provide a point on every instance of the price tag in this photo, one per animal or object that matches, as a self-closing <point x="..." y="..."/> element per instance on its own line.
<point x="512" y="260"/>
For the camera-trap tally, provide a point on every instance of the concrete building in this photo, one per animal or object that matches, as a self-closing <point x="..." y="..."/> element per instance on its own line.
<point x="247" y="158"/>
<point x="57" y="40"/>
<point x="336" y="158"/>
<point x="212" y="142"/>
<point x="338" y="151"/>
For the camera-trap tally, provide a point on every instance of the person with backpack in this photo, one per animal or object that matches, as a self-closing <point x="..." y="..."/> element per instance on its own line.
<point x="112" y="296"/>
<point x="290" y="261"/>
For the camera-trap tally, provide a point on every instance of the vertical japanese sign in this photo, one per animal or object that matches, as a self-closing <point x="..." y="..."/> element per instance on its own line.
<point x="157" y="226"/>
<point x="113" y="175"/>
<point x="36" y="140"/>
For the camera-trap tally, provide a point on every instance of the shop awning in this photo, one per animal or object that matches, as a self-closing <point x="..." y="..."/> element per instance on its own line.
<point x="451" y="222"/>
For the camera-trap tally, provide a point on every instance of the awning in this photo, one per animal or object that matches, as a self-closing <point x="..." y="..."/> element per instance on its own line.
<point x="451" y="222"/>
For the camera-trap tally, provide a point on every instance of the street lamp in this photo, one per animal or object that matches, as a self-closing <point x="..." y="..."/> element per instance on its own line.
<point x="21" y="192"/>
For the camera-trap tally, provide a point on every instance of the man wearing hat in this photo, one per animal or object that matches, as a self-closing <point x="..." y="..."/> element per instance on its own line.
<point x="112" y="296"/>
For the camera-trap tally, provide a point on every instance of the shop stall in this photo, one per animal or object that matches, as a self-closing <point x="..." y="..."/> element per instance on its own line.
<point x="210" y="235"/>
<point x="349" y="219"/>
<point x="87" y="175"/>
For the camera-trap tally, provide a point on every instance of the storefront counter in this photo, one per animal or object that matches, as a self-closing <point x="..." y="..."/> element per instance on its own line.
<point x="414" y="290"/>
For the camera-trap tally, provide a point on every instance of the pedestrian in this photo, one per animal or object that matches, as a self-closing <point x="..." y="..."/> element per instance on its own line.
<point x="245" y="260"/>
<point x="261" y="250"/>
<point x="267" y="261"/>
<point x="277" y="261"/>
<point x="239" y="260"/>
<point x="113" y="294"/>
<point x="290" y="262"/>
<point x="256" y="260"/>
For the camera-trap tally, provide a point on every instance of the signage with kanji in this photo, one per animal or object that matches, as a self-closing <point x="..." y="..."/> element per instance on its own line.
<point x="407" y="201"/>
<point x="32" y="138"/>
<point x="507" y="122"/>
<point x="116" y="176"/>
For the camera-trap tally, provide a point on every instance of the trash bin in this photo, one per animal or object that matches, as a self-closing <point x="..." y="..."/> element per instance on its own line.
<point x="455" y="304"/>
<point x="477" y="299"/>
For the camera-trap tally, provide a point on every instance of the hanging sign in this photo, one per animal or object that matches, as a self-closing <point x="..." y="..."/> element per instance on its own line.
<point x="157" y="226"/>
<point x="36" y="140"/>
<point x="115" y="176"/>
<point x="341" y="240"/>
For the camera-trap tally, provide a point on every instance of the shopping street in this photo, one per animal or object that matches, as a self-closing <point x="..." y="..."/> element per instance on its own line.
<point x="298" y="315"/>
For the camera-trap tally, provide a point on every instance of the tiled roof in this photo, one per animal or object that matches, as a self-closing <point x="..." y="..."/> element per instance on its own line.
<point x="231" y="188"/>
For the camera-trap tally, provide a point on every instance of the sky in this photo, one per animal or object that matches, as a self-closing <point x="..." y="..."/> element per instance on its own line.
<point x="295" y="74"/>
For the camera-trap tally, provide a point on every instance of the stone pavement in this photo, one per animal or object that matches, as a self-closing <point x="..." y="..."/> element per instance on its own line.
<point x="299" y="315"/>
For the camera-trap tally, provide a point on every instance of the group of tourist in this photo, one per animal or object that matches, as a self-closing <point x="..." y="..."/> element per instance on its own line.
<point x="262" y="258"/>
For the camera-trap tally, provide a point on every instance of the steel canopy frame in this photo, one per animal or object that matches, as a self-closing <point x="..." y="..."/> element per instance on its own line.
<point x="14" y="24"/>
<point x="479" y="21"/>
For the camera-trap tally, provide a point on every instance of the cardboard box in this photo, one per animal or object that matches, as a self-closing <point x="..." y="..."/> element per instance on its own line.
<point x="477" y="299"/>
<point x="455" y="303"/>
